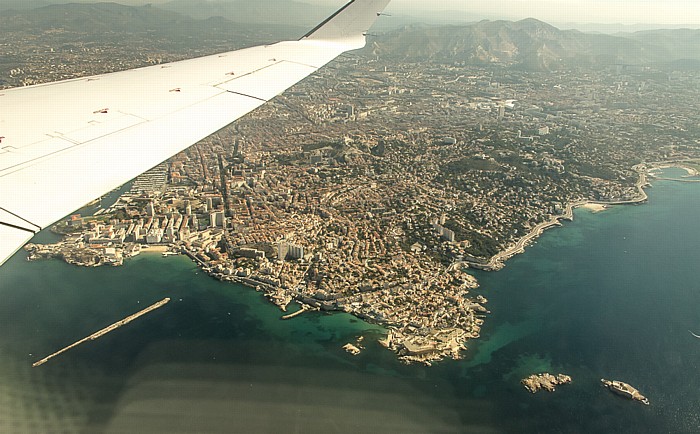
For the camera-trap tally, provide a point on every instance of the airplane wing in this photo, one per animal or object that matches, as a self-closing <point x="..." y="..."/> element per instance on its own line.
<point x="64" y="144"/>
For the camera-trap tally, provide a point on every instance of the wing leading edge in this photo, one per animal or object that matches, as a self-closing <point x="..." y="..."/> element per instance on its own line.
<point x="66" y="143"/>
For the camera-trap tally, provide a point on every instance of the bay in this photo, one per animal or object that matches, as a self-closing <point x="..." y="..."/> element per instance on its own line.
<point x="610" y="295"/>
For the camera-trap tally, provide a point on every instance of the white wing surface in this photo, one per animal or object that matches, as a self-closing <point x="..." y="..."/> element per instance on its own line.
<point x="64" y="144"/>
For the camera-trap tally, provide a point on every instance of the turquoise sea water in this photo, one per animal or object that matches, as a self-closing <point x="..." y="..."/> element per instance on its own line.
<point x="609" y="295"/>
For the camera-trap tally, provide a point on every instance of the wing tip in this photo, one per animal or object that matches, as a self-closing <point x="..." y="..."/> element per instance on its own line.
<point x="350" y="22"/>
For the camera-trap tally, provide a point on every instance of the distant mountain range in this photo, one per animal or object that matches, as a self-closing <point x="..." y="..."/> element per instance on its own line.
<point x="534" y="45"/>
<point x="304" y="14"/>
<point x="527" y="44"/>
<point x="246" y="11"/>
<point x="240" y="11"/>
<point x="89" y="18"/>
<point x="22" y="4"/>
<point x="103" y="18"/>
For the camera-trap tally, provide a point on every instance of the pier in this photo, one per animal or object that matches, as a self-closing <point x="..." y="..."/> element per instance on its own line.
<point x="293" y="314"/>
<point x="104" y="331"/>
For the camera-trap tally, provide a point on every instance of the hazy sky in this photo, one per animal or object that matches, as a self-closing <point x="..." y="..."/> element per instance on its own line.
<point x="582" y="11"/>
<point x="673" y="12"/>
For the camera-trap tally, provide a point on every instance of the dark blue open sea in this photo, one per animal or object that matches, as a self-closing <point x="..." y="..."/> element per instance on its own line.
<point x="609" y="295"/>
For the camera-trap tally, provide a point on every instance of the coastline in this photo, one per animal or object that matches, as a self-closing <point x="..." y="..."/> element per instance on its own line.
<point x="403" y="339"/>
<point x="680" y="164"/>
<point x="515" y="342"/>
<point x="497" y="261"/>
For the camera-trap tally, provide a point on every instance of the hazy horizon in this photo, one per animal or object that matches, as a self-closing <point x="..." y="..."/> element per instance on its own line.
<point x="627" y="13"/>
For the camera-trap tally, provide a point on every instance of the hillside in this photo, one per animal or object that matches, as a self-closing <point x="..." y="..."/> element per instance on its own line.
<point x="527" y="44"/>
<point x="246" y="11"/>
<point x="102" y="19"/>
<point x="533" y="45"/>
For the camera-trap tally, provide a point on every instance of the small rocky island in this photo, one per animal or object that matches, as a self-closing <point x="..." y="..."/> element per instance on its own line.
<point x="352" y="349"/>
<point x="546" y="381"/>
<point x="356" y="348"/>
<point x="624" y="389"/>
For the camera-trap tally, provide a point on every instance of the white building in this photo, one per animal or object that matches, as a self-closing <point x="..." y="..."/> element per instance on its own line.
<point x="217" y="219"/>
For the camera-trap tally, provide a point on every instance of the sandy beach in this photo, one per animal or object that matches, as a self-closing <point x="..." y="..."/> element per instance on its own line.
<point x="594" y="207"/>
<point x="155" y="249"/>
<point x="691" y="171"/>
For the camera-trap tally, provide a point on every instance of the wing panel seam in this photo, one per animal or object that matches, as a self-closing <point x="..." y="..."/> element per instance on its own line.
<point x="20" y="218"/>
<point x="10" y="225"/>
<point x="246" y="95"/>
<point x="315" y="68"/>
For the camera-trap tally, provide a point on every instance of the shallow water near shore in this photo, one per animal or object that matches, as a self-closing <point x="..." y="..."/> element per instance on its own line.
<point x="610" y="295"/>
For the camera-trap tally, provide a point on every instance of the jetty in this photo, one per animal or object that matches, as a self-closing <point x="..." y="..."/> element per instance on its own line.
<point x="104" y="331"/>
<point x="293" y="314"/>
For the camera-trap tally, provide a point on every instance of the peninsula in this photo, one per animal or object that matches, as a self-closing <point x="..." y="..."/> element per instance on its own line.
<point x="373" y="187"/>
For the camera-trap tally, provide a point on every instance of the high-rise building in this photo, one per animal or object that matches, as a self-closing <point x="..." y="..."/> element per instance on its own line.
<point x="295" y="252"/>
<point x="448" y="235"/>
<point x="282" y="250"/>
<point x="154" y="236"/>
<point x="286" y="250"/>
<point x="217" y="219"/>
<point x="445" y="234"/>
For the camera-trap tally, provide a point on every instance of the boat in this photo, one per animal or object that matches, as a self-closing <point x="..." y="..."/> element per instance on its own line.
<point x="624" y="389"/>
<point x="697" y="336"/>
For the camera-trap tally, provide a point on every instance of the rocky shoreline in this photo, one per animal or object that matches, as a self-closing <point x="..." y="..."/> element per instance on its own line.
<point x="497" y="261"/>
